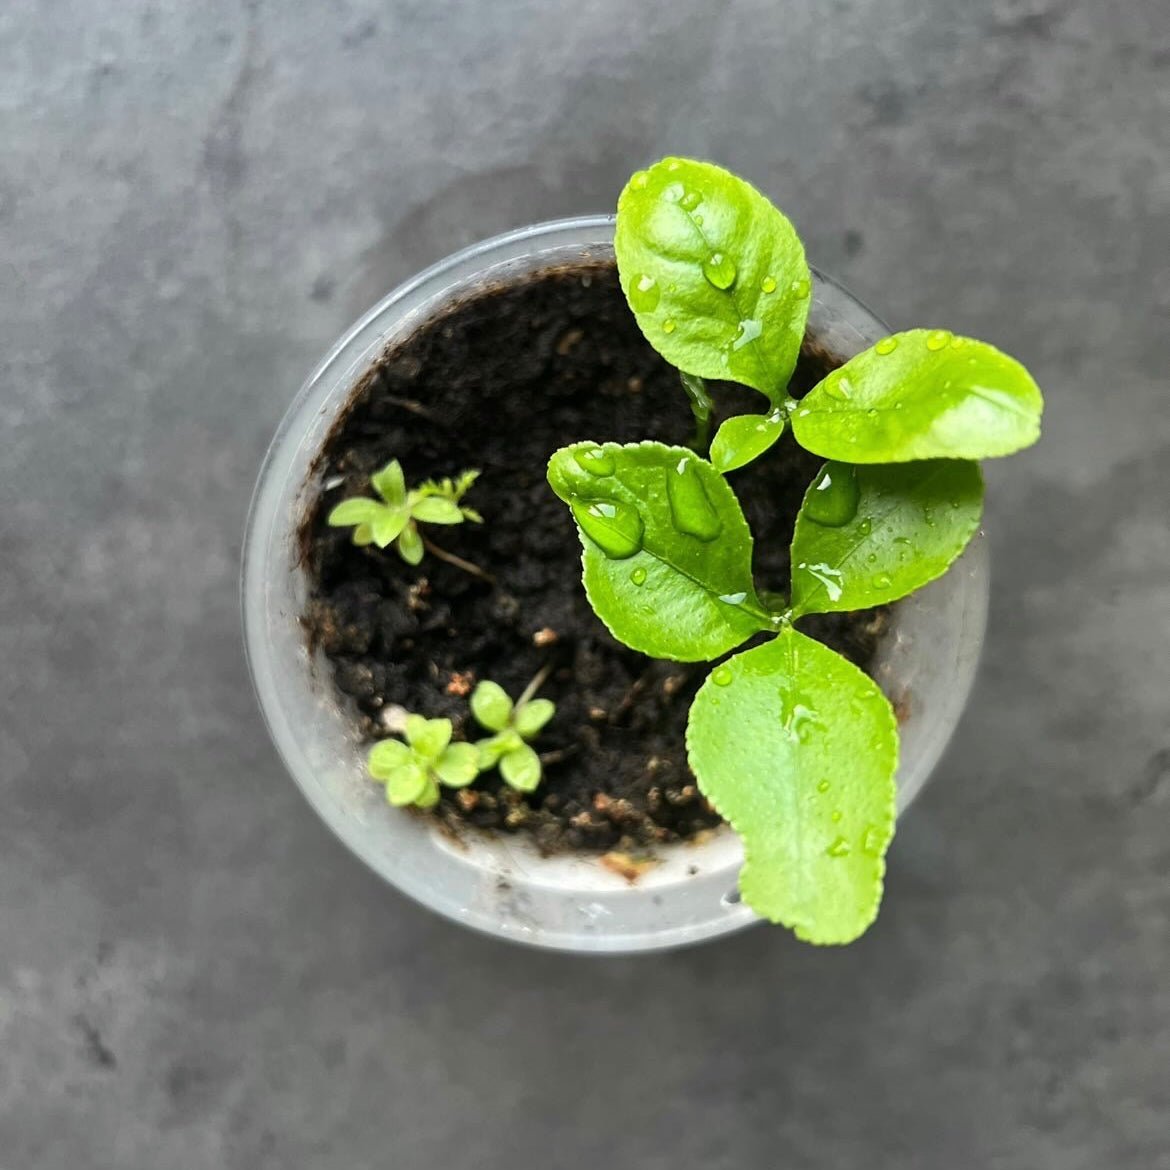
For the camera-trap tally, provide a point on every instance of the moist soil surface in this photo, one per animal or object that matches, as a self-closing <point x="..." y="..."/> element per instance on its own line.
<point x="498" y="382"/>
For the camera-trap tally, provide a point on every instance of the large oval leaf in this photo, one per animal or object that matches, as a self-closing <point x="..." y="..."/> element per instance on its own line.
<point x="797" y="749"/>
<point x="907" y="524"/>
<point x="715" y="275"/>
<point x="667" y="562"/>
<point x="922" y="394"/>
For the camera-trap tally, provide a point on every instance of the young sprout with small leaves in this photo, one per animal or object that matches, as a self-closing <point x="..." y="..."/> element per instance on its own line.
<point x="395" y="517"/>
<point x="514" y="725"/>
<point x="412" y="771"/>
<point x="795" y="746"/>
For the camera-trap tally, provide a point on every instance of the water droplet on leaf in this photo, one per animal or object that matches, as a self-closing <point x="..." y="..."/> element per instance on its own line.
<point x="839" y="848"/>
<point x="638" y="576"/>
<point x="719" y="269"/>
<point x="832" y="501"/>
<point x="938" y="339"/>
<point x="733" y="598"/>
<point x="829" y="577"/>
<point x="721" y="677"/>
<point x="768" y="284"/>
<point x="698" y="219"/>
<point x="668" y="326"/>
<point x="801" y="288"/>
<point x="837" y="387"/>
<point x="639" y="180"/>
<point x="823" y="786"/>
<point x="886" y="345"/>
<point x="689" y="507"/>
<point x="882" y="581"/>
<point x="690" y="201"/>
<point x="644" y="293"/>
<point x="596" y="462"/>
<point x="836" y="817"/>
<point x="871" y="841"/>
<point x="749" y="329"/>
<point x="865" y="527"/>
<point x="613" y="525"/>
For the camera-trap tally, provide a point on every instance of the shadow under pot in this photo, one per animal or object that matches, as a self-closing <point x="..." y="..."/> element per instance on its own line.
<point x="491" y="360"/>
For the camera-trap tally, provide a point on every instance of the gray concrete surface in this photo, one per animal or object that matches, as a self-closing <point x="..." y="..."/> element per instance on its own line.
<point x="195" y="198"/>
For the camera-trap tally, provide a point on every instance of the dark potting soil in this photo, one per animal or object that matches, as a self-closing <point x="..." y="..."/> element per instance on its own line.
<point x="498" y="382"/>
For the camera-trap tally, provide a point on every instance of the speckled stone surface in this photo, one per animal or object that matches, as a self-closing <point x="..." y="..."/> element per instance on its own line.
<point x="195" y="199"/>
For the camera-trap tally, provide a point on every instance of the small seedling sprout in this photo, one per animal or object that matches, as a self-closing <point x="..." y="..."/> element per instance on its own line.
<point x="394" y="517"/>
<point x="414" y="770"/>
<point x="514" y="725"/>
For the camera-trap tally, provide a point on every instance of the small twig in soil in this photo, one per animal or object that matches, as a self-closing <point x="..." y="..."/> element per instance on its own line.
<point x="628" y="699"/>
<point x="560" y="754"/>
<point x="414" y="408"/>
<point x="459" y="563"/>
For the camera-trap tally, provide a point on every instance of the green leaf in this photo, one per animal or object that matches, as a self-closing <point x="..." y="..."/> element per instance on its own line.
<point x="430" y="794"/>
<point x="521" y="769"/>
<point x="436" y="510"/>
<point x="410" y="544"/>
<point x="922" y="394"/>
<point x="907" y="523"/>
<point x="406" y="785"/>
<point x="387" y="524"/>
<point x="390" y="484"/>
<point x="386" y="757"/>
<point x="745" y="437"/>
<point x="491" y="706"/>
<point x="489" y="751"/>
<point x="797" y="749"/>
<point x="531" y="717"/>
<point x="428" y="737"/>
<point x="363" y="534"/>
<point x="667" y="551"/>
<point x="715" y="275"/>
<point x="458" y="765"/>
<point x="357" y="510"/>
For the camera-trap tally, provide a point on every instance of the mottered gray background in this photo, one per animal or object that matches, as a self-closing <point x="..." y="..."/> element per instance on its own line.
<point x="196" y="197"/>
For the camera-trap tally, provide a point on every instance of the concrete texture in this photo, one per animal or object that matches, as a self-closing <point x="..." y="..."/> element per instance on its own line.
<point x="195" y="198"/>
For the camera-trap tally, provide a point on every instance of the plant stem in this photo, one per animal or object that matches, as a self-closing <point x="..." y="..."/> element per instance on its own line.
<point x="701" y="407"/>
<point x="459" y="563"/>
<point x="535" y="685"/>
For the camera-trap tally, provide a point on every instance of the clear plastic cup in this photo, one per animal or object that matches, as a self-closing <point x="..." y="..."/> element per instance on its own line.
<point x="501" y="885"/>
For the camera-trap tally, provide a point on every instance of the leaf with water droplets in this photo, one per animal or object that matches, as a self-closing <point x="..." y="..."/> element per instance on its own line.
<point x="797" y="749"/>
<point x="909" y="522"/>
<point x="715" y="274"/>
<point x="674" y="578"/>
<point x="745" y="437"/>
<point x="923" y="394"/>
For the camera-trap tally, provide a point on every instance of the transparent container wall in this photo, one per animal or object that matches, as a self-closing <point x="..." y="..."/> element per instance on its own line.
<point x="502" y="886"/>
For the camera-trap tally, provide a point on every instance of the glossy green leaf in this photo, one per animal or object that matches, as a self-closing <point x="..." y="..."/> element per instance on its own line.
<point x="715" y="274"/>
<point x="923" y="394"/>
<point x="797" y="749"/>
<point x="491" y="706"/>
<point x="407" y="784"/>
<point x="386" y="757"/>
<point x="436" y="510"/>
<point x="741" y="439"/>
<point x="390" y="484"/>
<point x="520" y="769"/>
<point x="667" y="563"/>
<point x="387" y="525"/>
<point x="410" y="544"/>
<point x="532" y="716"/>
<point x="908" y="524"/>
<point x="357" y="510"/>
<point x="458" y="766"/>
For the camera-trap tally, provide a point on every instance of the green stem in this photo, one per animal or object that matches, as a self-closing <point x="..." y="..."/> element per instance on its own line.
<point x="701" y="407"/>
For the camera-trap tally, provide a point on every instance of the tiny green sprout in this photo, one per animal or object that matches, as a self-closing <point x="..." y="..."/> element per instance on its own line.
<point x="412" y="771"/>
<point x="396" y="518"/>
<point x="514" y="724"/>
<point x="794" y="745"/>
